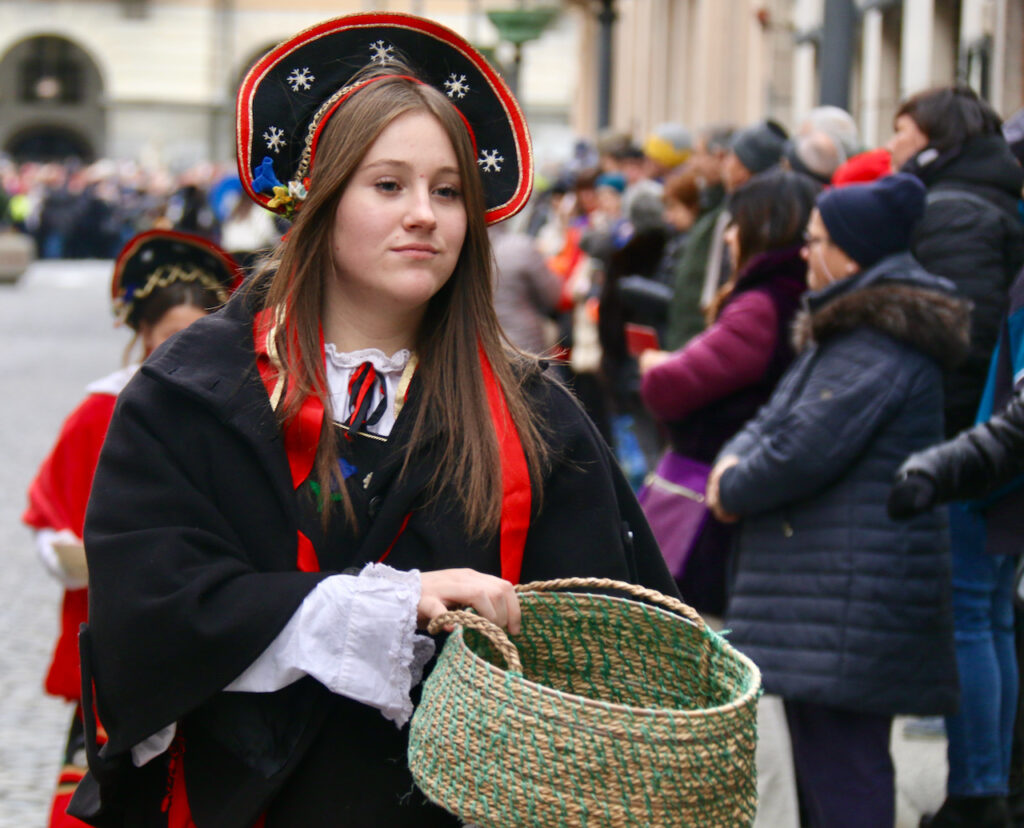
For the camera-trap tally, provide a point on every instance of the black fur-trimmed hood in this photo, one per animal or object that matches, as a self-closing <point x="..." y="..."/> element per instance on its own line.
<point x="896" y="297"/>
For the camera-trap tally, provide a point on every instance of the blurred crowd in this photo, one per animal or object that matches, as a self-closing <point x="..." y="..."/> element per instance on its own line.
<point x="88" y="211"/>
<point x="765" y="323"/>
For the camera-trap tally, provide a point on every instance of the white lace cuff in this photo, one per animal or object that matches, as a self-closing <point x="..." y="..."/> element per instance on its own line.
<point x="357" y="637"/>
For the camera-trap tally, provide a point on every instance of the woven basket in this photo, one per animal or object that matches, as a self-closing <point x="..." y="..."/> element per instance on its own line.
<point x="605" y="711"/>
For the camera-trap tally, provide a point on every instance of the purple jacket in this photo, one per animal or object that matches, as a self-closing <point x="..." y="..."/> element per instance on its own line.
<point x="718" y="380"/>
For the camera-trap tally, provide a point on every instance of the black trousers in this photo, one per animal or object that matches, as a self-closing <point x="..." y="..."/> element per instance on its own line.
<point x="844" y="771"/>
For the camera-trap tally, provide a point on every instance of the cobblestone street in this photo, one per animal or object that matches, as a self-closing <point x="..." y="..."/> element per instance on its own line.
<point x="56" y="336"/>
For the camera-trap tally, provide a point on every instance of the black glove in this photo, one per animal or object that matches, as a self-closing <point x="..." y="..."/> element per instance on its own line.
<point x="911" y="494"/>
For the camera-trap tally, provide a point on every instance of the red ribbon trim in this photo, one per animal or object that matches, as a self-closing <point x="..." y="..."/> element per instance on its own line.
<point x="301" y="432"/>
<point x="302" y="435"/>
<point x="515" y="478"/>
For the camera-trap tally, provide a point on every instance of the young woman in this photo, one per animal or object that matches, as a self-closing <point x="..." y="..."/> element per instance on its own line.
<point x="163" y="281"/>
<point x="340" y="454"/>
<point x="846" y="612"/>
<point x="707" y="390"/>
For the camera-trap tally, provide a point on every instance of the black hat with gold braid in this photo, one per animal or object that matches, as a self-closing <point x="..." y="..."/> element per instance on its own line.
<point x="157" y="258"/>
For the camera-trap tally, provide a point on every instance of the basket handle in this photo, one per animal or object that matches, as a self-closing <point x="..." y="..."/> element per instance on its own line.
<point x="650" y="595"/>
<point x="494" y="633"/>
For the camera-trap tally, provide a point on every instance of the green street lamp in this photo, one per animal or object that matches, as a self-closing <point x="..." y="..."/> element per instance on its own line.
<point x="518" y="26"/>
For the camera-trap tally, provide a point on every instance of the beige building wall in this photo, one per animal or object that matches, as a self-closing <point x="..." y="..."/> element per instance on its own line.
<point x="169" y="69"/>
<point x="696" y="62"/>
<point x="711" y="61"/>
<point x="906" y="46"/>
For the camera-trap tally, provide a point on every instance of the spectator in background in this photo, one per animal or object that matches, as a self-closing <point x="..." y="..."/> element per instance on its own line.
<point x="815" y="154"/>
<point x="847" y="613"/>
<point x="836" y="122"/>
<point x="685" y="317"/>
<point x="755" y="149"/>
<point x="950" y="139"/>
<point x="971" y="233"/>
<point x="681" y="208"/>
<point x="526" y="292"/>
<point x="974" y="465"/>
<point x="666" y="148"/>
<point x="706" y="391"/>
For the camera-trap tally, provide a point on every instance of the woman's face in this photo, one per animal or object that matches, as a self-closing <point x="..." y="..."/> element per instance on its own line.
<point x="906" y="142"/>
<point x="176" y="319"/>
<point x="400" y="223"/>
<point x="826" y="263"/>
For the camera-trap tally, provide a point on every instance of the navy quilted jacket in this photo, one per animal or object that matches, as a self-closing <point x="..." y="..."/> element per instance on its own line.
<point x="835" y="602"/>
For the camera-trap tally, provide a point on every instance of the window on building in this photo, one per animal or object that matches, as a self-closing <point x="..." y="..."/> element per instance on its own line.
<point x="50" y="72"/>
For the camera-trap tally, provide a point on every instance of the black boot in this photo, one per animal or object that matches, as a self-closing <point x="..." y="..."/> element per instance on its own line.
<point x="970" y="812"/>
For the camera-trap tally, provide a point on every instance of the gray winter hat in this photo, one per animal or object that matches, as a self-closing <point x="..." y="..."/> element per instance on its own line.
<point x="760" y="146"/>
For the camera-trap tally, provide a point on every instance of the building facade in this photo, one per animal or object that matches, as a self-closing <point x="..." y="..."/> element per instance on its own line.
<point x="155" y="80"/>
<point x="702" y="62"/>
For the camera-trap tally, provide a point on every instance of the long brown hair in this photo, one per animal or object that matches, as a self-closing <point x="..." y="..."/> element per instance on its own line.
<point x="459" y="321"/>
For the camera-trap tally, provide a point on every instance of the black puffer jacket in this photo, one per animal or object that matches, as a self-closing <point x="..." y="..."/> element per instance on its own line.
<point x="971" y="234"/>
<point x="836" y="603"/>
<point x="976" y="462"/>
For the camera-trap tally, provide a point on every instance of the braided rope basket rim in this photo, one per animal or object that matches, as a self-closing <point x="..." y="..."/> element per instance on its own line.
<point x="500" y="673"/>
<point x="451" y="756"/>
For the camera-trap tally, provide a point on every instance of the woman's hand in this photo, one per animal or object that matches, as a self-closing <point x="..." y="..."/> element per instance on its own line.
<point x="652" y="359"/>
<point x="714" y="503"/>
<point x="492" y="597"/>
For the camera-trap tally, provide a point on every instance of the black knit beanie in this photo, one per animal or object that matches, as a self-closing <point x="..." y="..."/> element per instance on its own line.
<point x="760" y="146"/>
<point x="871" y="221"/>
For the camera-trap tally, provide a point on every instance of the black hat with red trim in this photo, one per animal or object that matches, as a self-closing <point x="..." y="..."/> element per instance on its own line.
<point x="158" y="258"/>
<point x="288" y="96"/>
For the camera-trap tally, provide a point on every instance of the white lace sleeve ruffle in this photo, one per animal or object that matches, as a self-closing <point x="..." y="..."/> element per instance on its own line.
<point x="356" y="635"/>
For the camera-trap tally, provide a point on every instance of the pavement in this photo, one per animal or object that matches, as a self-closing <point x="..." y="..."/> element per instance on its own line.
<point x="56" y="336"/>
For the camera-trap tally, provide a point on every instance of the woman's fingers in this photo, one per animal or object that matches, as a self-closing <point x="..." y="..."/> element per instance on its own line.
<point x="492" y="597"/>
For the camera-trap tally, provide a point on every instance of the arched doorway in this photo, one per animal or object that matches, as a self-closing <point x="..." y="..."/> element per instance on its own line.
<point x="49" y="143"/>
<point x="51" y="101"/>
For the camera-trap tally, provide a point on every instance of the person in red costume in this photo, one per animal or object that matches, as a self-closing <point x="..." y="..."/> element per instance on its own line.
<point x="163" y="281"/>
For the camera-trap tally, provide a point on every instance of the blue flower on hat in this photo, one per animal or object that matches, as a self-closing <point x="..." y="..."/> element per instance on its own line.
<point x="263" y="177"/>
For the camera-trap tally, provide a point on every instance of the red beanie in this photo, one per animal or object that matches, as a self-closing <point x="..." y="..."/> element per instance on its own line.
<point x="868" y="166"/>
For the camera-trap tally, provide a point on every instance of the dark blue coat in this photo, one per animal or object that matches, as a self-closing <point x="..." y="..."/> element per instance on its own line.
<point x="835" y="602"/>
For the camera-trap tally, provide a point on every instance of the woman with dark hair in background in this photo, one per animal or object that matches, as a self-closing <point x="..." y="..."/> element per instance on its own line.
<point x="163" y="281"/>
<point x="706" y="391"/>
<point x="951" y="140"/>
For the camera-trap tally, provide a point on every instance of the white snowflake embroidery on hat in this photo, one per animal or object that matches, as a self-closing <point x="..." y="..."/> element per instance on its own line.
<point x="456" y="85"/>
<point x="274" y="138"/>
<point x="300" y="79"/>
<point x="491" y="161"/>
<point x="381" y="52"/>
